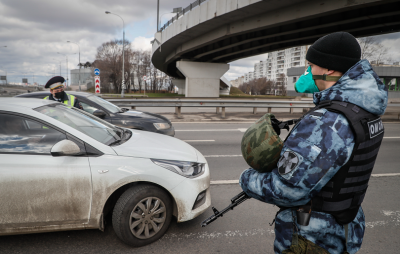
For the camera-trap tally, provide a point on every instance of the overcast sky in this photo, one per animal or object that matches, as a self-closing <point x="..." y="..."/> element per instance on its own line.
<point x="35" y="30"/>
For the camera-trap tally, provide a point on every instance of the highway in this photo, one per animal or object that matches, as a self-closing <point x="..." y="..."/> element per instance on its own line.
<point x="245" y="229"/>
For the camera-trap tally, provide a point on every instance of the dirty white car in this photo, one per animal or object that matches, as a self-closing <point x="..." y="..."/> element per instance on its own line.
<point x="64" y="169"/>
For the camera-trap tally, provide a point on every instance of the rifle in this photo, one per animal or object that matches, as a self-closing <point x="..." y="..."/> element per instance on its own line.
<point x="235" y="201"/>
<point x="242" y="196"/>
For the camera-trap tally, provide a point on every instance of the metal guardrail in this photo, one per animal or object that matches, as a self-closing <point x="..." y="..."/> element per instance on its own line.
<point x="210" y="103"/>
<point x="179" y="103"/>
<point x="181" y="13"/>
<point x="218" y="103"/>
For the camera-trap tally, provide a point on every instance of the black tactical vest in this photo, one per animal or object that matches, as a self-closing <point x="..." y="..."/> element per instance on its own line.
<point x="344" y="193"/>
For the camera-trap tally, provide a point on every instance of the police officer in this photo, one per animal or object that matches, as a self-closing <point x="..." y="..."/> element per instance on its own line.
<point x="56" y="85"/>
<point x="326" y="161"/>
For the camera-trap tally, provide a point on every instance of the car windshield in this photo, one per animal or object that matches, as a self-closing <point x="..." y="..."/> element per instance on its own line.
<point x="90" y="125"/>
<point x="105" y="104"/>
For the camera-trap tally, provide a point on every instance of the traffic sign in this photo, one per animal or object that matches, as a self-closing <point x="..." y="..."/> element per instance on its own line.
<point x="97" y="71"/>
<point x="144" y="78"/>
<point x="97" y="84"/>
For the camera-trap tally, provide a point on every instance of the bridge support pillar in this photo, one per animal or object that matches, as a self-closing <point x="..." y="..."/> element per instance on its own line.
<point x="180" y="83"/>
<point x="202" y="79"/>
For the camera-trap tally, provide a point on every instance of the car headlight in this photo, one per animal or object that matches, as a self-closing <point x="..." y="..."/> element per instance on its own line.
<point x="184" y="168"/>
<point x="161" y="126"/>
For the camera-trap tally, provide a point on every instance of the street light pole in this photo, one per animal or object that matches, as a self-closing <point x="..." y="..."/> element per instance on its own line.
<point x="123" y="53"/>
<point x="158" y="14"/>
<point x="5" y="72"/>
<point x="175" y="10"/>
<point x="79" y="64"/>
<point x="66" y="56"/>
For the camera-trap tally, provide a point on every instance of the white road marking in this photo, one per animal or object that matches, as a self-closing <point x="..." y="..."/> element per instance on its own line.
<point x="375" y="224"/>
<point x="394" y="221"/>
<point x="214" y="235"/>
<point x="199" y="140"/>
<point x="221" y="182"/>
<point x="391" y="137"/>
<point x="224" y="182"/>
<point x="242" y="129"/>
<point x="388" y="174"/>
<point x="222" y="156"/>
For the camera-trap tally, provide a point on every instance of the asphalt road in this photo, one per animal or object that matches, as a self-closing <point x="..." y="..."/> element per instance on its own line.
<point x="246" y="229"/>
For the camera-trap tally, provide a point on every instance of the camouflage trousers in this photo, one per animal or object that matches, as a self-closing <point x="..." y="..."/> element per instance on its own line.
<point x="305" y="246"/>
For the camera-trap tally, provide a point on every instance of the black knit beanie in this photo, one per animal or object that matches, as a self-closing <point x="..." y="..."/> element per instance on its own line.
<point x="336" y="51"/>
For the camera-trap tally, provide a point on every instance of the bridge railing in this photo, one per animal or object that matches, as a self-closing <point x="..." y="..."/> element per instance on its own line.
<point x="218" y="103"/>
<point x="181" y="13"/>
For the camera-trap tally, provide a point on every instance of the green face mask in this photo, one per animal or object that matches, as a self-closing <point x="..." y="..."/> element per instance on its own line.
<point x="306" y="83"/>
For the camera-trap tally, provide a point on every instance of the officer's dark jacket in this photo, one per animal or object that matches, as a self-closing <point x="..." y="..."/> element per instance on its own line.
<point x="315" y="151"/>
<point x="68" y="99"/>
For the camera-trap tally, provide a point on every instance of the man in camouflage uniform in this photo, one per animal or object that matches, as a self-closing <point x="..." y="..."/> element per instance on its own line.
<point x="317" y="148"/>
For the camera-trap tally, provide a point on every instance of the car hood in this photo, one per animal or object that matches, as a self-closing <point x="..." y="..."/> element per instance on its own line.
<point x="145" y="144"/>
<point x="139" y="114"/>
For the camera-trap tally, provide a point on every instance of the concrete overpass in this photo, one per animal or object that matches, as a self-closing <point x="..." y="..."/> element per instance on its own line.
<point x="198" y="44"/>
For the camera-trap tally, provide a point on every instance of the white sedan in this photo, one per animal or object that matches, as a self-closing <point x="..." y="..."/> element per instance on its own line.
<point x="64" y="169"/>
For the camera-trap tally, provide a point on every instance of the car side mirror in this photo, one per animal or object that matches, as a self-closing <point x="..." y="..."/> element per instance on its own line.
<point x="99" y="113"/>
<point x="65" y="148"/>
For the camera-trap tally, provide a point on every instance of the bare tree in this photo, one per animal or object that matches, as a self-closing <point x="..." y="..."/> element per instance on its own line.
<point x="282" y="87"/>
<point x="367" y="45"/>
<point x="109" y="60"/>
<point x="137" y="65"/>
<point x="261" y="86"/>
<point x="380" y="55"/>
<point x="373" y="50"/>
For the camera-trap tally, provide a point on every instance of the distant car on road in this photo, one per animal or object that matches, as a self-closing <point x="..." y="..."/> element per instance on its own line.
<point x="131" y="119"/>
<point x="64" y="169"/>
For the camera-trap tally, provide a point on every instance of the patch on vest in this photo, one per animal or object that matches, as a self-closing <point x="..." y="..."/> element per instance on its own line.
<point x="375" y="128"/>
<point x="287" y="163"/>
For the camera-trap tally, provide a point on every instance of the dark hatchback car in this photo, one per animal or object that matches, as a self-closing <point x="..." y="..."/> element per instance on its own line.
<point x="111" y="113"/>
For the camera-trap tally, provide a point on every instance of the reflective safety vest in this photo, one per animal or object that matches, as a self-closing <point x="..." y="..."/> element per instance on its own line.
<point x="344" y="193"/>
<point x="69" y="102"/>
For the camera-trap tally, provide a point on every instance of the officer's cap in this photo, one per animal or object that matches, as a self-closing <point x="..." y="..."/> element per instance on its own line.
<point x="55" y="82"/>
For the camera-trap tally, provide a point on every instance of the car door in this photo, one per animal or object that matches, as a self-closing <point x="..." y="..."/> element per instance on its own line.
<point x="37" y="189"/>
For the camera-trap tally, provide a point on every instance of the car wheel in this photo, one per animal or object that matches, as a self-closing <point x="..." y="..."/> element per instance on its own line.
<point x="142" y="215"/>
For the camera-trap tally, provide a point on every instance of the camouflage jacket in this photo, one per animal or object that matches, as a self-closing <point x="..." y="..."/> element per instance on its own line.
<point x="315" y="150"/>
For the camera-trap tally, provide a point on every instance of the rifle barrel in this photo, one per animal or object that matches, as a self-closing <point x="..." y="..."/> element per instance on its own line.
<point x="235" y="201"/>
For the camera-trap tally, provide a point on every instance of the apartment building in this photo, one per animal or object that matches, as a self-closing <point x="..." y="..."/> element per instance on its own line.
<point x="248" y="77"/>
<point x="277" y="63"/>
<point x="237" y="82"/>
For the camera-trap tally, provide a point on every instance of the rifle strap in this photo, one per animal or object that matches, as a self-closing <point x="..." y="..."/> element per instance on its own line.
<point x="346" y="232"/>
